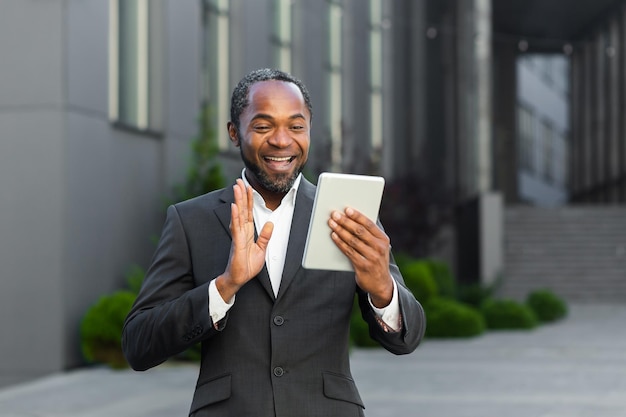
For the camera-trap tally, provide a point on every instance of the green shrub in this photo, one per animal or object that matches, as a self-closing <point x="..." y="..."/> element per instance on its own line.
<point x="546" y="305"/>
<point x="204" y="173"/>
<point x="403" y="259"/>
<point x="508" y="314"/>
<point x="446" y="318"/>
<point x="134" y="278"/>
<point x="359" y="334"/>
<point x="359" y="330"/>
<point x="101" y="329"/>
<point x="474" y="294"/>
<point x="419" y="279"/>
<point x="446" y="284"/>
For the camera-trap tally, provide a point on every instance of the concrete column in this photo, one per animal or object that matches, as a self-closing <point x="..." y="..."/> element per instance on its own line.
<point x="475" y="91"/>
<point x="480" y="239"/>
<point x="491" y="237"/>
<point x="483" y="63"/>
<point x="505" y="144"/>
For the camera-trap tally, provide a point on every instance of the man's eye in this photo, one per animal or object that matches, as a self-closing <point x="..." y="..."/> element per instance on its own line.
<point x="261" y="128"/>
<point x="297" y="127"/>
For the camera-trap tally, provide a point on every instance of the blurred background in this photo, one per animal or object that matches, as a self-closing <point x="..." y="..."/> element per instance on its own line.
<point x="498" y="124"/>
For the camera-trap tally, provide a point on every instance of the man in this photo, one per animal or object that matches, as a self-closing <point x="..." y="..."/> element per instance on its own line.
<point x="227" y="273"/>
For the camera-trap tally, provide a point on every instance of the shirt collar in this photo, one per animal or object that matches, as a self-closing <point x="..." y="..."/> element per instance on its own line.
<point x="289" y="197"/>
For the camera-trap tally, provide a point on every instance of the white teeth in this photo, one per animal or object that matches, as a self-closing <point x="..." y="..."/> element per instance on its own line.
<point x="283" y="159"/>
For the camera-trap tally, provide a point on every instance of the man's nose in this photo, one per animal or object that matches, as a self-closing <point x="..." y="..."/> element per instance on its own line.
<point x="281" y="138"/>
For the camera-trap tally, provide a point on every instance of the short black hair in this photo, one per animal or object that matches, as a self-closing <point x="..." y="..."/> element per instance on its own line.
<point x="239" y="100"/>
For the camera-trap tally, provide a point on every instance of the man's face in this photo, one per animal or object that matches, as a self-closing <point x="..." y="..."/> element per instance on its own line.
<point x="274" y="135"/>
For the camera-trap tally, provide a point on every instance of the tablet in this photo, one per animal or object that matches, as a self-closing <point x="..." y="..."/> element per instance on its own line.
<point x="336" y="192"/>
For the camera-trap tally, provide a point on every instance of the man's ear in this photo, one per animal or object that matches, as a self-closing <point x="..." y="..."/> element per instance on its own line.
<point x="233" y="134"/>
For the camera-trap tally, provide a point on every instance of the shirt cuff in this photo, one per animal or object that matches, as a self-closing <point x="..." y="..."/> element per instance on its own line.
<point x="390" y="315"/>
<point x="217" y="306"/>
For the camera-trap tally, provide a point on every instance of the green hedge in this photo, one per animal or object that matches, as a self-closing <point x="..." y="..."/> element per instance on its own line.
<point x="446" y="283"/>
<point x="455" y="311"/>
<point x="101" y="329"/>
<point x="359" y="330"/>
<point x="507" y="314"/>
<point x="546" y="305"/>
<point x="474" y="294"/>
<point x="419" y="279"/>
<point x="451" y="319"/>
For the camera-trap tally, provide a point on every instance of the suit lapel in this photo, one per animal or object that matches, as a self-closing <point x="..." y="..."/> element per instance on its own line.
<point x="297" y="235"/>
<point x="223" y="214"/>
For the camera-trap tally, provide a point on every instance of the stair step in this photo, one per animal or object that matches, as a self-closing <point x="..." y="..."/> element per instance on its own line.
<point x="578" y="251"/>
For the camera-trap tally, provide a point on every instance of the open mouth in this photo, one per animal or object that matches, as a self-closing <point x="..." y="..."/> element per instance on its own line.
<point x="279" y="160"/>
<point x="279" y="163"/>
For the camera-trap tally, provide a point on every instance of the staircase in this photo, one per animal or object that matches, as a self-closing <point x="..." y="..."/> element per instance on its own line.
<point x="579" y="252"/>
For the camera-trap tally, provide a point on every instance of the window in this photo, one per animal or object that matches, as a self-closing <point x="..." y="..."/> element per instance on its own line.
<point x="525" y="138"/>
<point x="334" y="82"/>
<point x="376" y="76"/>
<point x="216" y="59"/>
<point x="135" y="51"/>
<point x="561" y="74"/>
<point x="282" y="36"/>
<point x="548" y="136"/>
<point x="559" y="164"/>
<point x="563" y="171"/>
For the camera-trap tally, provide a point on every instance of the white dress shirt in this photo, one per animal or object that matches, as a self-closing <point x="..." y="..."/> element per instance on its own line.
<point x="276" y="253"/>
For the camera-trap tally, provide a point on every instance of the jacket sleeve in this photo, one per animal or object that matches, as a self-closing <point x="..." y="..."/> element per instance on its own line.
<point x="170" y="313"/>
<point x="412" y="314"/>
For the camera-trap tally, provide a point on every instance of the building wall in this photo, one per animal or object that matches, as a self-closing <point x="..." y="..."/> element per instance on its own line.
<point x="116" y="179"/>
<point x="32" y="189"/>
<point x="410" y="123"/>
<point x="598" y="157"/>
<point x="251" y="42"/>
<point x="81" y="199"/>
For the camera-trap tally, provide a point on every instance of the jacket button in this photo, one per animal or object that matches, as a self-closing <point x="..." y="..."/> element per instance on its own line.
<point x="279" y="320"/>
<point x="278" y="371"/>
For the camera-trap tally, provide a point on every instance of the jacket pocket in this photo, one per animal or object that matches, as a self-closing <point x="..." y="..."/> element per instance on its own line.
<point x="211" y="392"/>
<point x="340" y="387"/>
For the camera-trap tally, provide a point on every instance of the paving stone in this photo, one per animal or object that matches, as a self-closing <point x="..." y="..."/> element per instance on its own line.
<point x="573" y="368"/>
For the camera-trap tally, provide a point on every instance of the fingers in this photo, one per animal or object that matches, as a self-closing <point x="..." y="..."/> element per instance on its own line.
<point x="249" y="201"/>
<point x="246" y="256"/>
<point x="243" y="201"/>
<point x="243" y="205"/>
<point x="357" y="236"/>
<point x="357" y="232"/>
<point x="265" y="235"/>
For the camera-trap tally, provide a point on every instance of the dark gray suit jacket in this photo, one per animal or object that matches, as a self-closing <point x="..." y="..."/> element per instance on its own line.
<point x="270" y="356"/>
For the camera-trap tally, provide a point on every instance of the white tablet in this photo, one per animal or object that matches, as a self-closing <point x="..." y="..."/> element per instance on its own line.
<point x="336" y="192"/>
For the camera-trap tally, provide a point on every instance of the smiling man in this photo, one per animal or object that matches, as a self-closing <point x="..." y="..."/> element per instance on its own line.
<point x="227" y="273"/>
<point x="274" y="138"/>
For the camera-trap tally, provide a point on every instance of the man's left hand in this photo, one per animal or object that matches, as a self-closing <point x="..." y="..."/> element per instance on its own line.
<point x="367" y="247"/>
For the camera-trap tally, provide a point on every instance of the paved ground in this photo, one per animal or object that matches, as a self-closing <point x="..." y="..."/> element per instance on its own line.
<point x="576" y="368"/>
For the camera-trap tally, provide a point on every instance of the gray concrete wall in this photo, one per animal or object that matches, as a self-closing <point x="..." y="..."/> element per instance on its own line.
<point x="80" y="200"/>
<point x="491" y="237"/>
<point x="117" y="180"/>
<point x="310" y="56"/>
<point x="32" y="190"/>
<point x="356" y="116"/>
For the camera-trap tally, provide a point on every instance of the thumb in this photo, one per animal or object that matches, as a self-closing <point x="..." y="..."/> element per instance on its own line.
<point x="265" y="235"/>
